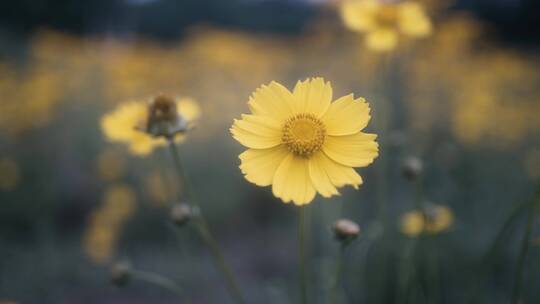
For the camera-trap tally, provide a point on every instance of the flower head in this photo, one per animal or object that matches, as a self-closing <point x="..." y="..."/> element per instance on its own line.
<point x="302" y="143"/>
<point x="433" y="220"/>
<point x="346" y="230"/>
<point x="144" y="126"/>
<point x="382" y="22"/>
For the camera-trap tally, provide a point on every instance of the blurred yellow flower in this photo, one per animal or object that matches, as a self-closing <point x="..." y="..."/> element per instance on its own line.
<point x="435" y="219"/>
<point x="106" y="222"/>
<point x="9" y="174"/>
<point x="382" y="22"/>
<point x="126" y="123"/>
<point x="302" y="143"/>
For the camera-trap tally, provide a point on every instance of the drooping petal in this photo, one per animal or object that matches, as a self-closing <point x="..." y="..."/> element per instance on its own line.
<point x="255" y="134"/>
<point x="346" y="116"/>
<point x="142" y="144"/>
<point x="313" y="96"/>
<point x="413" y="20"/>
<point x="272" y="100"/>
<point x="357" y="150"/>
<point x="292" y="181"/>
<point x="382" y="39"/>
<point x="120" y="124"/>
<point x="319" y="177"/>
<point x="259" y="165"/>
<point x="338" y="174"/>
<point x="188" y="109"/>
<point x="359" y="15"/>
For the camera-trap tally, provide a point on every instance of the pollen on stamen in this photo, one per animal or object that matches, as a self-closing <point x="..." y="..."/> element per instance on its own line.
<point x="303" y="134"/>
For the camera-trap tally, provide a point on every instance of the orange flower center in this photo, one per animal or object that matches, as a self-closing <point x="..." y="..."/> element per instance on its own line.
<point x="303" y="134"/>
<point x="387" y="15"/>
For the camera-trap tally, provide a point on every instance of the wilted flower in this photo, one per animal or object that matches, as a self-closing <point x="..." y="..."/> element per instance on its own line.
<point x="433" y="220"/>
<point x="302" y="143"/>
<point x="382" y="22"/>
<point x="144" y="126"/>
<point x="346" y="230"/>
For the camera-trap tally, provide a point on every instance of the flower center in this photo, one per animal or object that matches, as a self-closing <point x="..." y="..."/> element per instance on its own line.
<point x="303" y="134"/>
<point x="387" y="15"/>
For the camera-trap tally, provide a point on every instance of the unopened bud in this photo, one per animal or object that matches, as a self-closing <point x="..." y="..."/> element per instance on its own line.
<point x="412" y="167"/>
<point x="182" y="213"/>
<point x="121" y="273"/>
<point x="346" y="230"/>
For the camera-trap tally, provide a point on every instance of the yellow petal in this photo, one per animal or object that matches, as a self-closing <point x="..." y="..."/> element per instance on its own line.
<point x="120" y="124"/>
<point x="255" y="135"/>
<point x="320" y="179"/>
<point x="273" y="100"/>
<point x="313" y="96"/>
<point x="346" y="116"/>
<point x="413" y="20"/>
<point x="338" y="174"/>
<point x="188" y="109"/>
<point x="382" y="39"/>
<point x="358" y="150"/>
<point x="259" y="165"/>
<point x="292" y="182"/>
<point x="142" y="144"/>
<point x="358" y="15"/>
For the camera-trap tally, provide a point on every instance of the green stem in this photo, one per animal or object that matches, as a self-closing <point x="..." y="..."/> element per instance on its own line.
<point x="158" y="280"/>
<point x="337" y="274"/>
<point x="204" y="229"/>
<point x="302" y="254"/>
<point x="525" y="243"/>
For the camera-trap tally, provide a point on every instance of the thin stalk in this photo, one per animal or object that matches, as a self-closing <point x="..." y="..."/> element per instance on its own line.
<point x="158" y="280"/>
<point x="334" y="292"/>
<point x="302" y="254"/>
<point x="525" y="244"/>
<point x="204" y="229"/>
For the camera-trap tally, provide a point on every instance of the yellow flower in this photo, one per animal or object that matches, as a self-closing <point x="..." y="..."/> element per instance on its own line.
<point x="127" y="123"/>
<point x="103" y="231"/>
<point x="302" y="143"/>
<point x="435" y="219"/>
<point x="383" y="22"/>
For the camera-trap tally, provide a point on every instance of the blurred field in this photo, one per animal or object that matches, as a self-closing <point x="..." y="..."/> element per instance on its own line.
<point x="464" y="100"/>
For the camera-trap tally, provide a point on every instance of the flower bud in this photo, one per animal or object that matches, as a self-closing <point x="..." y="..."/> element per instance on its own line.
<point x="412" y="167"/>
<point x="121" y="273"/>
<point x="346" y="230"/>
<point x="182" y="213"/>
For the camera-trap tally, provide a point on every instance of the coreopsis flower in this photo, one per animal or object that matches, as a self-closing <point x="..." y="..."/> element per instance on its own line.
<point x="302" y="143"/>
<point x="383" y="21"/>
<point x="146" y="125"/>
<point x="433" y="220"/>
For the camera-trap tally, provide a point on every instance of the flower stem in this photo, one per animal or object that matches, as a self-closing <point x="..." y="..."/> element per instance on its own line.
<point x="525" y="242"/>
<point x="158" y="280"/>
<point x="302" y="254"/>
<point x="204" y="229"/>
<point x="337" y="274"/>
